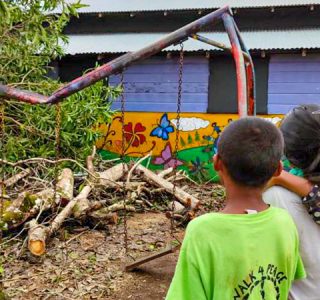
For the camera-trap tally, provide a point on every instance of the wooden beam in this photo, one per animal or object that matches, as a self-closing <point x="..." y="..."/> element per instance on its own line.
<point x="143" y="260"/>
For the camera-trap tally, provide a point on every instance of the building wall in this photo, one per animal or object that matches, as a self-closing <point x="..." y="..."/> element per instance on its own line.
<point x="155" y="133"/>
<point x="151" y="89"/>
<point x="293" y="80"/>
<point x="152" y="85"/>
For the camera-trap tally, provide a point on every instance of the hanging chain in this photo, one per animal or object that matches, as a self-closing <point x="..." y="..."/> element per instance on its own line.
<point x="2" y="186"/>
<point x="2" y="149"/>
<point x="57" y="130"/>
<point x="176" y="146"/>
<point x="122" y="157"/>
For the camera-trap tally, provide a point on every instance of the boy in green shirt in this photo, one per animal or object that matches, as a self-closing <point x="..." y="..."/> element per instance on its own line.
<point x="249" y="250"/>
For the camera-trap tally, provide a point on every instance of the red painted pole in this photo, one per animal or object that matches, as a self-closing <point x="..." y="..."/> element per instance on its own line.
<point x="251" y="80"/>
<point x="240" y="67"/>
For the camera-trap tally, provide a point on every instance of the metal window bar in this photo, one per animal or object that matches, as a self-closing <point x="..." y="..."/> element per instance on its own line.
<point x="244" y="69"/>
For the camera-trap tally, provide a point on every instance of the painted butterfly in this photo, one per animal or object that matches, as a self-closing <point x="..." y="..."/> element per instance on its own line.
<point x="166" y="158"/>
<point x="163" y="129"/>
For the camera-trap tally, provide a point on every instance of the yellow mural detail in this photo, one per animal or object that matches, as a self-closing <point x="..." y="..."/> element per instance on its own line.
<point x="196" y="129"/>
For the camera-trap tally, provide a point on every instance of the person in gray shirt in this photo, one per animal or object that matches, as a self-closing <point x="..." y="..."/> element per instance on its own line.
<point x="300" y="196"/>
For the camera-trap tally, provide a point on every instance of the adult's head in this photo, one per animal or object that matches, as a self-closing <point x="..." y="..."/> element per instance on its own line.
<point x="249" y="152"/>
<point x="301" y="133"/>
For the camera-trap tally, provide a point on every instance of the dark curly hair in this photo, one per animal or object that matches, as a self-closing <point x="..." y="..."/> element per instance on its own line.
<point x="301" y="133"/>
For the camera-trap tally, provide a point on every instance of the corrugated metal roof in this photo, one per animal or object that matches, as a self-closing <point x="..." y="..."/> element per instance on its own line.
<point x="125" y="42"/>
<point x="163" y="5"/>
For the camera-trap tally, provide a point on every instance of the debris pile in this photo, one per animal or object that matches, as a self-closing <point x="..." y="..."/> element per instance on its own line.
<point x="99" y="198"/>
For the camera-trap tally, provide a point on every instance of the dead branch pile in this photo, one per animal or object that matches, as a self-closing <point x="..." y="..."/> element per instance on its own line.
<point x="98" y="198"/>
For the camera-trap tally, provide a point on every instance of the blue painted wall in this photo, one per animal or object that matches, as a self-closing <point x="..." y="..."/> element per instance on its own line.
<point x="152" y="85"/>
<point x="293" y="80"/>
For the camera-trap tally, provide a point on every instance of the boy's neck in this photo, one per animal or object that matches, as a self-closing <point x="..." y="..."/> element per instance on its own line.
<point x="239" y="199"/>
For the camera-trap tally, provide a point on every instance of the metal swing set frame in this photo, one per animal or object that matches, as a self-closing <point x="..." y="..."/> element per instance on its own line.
<point x="244" y="74"/>
<point x="240" y="53"/>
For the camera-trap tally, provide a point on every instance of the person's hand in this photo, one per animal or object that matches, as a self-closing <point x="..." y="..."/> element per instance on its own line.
<point x="272" y="182"/>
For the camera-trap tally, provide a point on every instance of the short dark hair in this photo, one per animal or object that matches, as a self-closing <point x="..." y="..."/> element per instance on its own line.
<point x="250" y="149"/>
<point x="301" y="133"/>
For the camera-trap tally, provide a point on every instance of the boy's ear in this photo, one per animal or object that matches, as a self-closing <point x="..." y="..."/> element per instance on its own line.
<point x="217" y="162"/>
<point x="279" y="170"/>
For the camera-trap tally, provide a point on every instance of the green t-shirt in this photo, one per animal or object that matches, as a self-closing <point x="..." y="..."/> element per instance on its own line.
<point x="244" y="256"/>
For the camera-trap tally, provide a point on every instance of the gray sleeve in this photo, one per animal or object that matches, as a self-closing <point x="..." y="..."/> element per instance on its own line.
<point x="280" y="197"/>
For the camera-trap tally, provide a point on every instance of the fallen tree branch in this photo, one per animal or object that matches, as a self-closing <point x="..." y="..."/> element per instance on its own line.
<point x="64" y="186"/>
<point x="135" y="166"/>
<point x="67" y="210"/>
<point x="110" y="176"/>
<point x="165" y="172"/>
<point x="15" y="178"/>
<point x="120" y="206"/>
<point x="90" y="159"/>
<point x="44" y="160"/>
<point x="183" y="197"/>
<point x="82" y="206"/>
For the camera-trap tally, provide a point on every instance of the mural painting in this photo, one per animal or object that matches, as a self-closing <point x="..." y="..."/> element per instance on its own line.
<point x="155" y="133"/>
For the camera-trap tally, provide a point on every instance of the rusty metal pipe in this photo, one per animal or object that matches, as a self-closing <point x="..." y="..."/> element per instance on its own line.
<point x="240" y="66"/>
<point x="22" y="95"/>
<point x="120" y="63"/>
<point x="251" y="78"/>
<point x="217" y="44"/>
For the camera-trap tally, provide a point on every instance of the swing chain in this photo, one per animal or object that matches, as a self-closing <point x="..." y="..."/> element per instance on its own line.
<point x="176" y="147"/>
<point x="122" y="158"/>
<point x="2" y="149"/>
<point x="57" y="130"/>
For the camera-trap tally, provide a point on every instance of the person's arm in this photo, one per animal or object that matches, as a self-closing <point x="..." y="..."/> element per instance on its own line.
<point x="298" y="185"/>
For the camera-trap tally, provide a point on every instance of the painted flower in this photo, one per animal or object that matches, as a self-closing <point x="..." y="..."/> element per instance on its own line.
<point x="198" y="168"/>
<point x="133" y="136"/>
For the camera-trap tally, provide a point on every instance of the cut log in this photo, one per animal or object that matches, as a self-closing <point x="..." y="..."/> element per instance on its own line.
<point x="67" y="210"/>
<point x="37" y="235"/>
<point x="25" y="206"/>
<point x="81" y="207"/>
<point x="165" y="172"/>
<point x="64" y="186"/>
<point x="120" y="206"/>
<point x="11" y="181"/>
<point x="132" y="184"/>
<point x="178" y="207"/>
<point x="44" y="200"/>
<point x="103" y="216"/>
<point x="183" y="197"/>
<point x="14" y="179"/>
<point x="110" y="176"/>
<point x="176" y="217"/>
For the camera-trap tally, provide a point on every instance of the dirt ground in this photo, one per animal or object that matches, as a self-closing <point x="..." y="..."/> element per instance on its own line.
<point x="90" y="264"/>
<point x="83" y="263"/>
